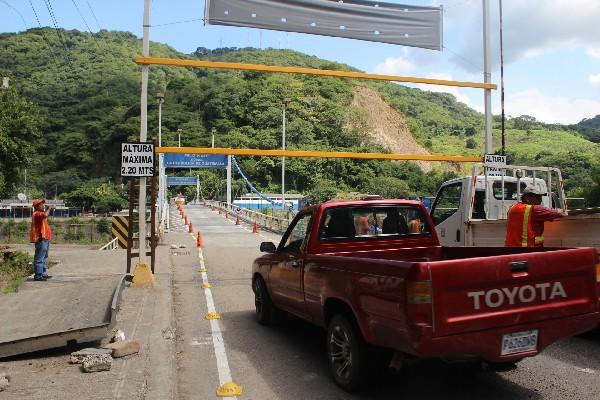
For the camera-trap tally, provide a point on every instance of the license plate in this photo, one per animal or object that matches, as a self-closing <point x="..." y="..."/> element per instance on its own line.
<point x="519" y="342"/>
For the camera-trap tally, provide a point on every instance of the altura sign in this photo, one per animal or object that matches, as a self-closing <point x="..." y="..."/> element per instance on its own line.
<point x="137" y="159"/>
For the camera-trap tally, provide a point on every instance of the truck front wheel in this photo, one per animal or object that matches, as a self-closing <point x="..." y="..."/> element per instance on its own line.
<point x="346" y="352"/>
<point x="265" y="311"/>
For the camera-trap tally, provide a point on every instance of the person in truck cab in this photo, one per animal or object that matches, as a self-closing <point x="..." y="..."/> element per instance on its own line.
<point x="525" y="225"/>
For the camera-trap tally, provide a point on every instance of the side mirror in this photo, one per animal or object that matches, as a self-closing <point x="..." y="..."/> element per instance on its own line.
<point x="268" y="247"/>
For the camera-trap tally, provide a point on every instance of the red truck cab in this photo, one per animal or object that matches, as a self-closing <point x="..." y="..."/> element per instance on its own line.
<point x="373" y="274"/>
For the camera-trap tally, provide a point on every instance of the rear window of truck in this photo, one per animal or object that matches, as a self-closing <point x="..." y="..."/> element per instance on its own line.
<point x="368" y="222"/>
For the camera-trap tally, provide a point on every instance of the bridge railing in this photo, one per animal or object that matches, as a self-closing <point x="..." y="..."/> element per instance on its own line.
<point x="264" y="221"/>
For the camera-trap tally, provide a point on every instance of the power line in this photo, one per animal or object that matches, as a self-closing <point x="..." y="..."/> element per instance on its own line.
<point x="35" y="13"/>
<point x="179" y="22"/>
<point x="50" y="47"/>
<point x="58" y="33"/>
<point x="17" y="11"/>
<point x="93" y="14"/>
<point x="81" y="15"/>
<point x="479" y="68"/>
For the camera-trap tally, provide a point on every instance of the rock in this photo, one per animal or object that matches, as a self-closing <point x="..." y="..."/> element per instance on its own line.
<point x="119" y="335"/>
<point x="78" y="356"/>
<point x="4" y="382"/>
<point x="123" y="348"/>
<point x="97" y="363"/>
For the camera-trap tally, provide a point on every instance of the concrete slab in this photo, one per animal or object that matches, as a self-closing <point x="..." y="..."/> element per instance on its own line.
<point x="73" y="306"/>
<point x="145" y="315"/>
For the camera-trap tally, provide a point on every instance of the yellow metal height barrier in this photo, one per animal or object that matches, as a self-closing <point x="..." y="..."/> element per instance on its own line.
<point x="317" y="154"/>
<point x="306" y="71"/>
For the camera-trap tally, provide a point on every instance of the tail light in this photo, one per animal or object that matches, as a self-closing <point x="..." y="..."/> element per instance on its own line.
<point x="419" y="302"/>
<point x="598" y="273"/>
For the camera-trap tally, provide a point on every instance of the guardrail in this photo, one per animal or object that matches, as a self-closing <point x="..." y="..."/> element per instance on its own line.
<point x="264" y="221"/>
<point x="112" y="245"/>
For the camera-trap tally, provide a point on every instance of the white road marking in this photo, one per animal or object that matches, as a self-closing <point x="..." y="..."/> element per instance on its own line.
<point x="215" y="327"/>
<point x="586" y="370"/>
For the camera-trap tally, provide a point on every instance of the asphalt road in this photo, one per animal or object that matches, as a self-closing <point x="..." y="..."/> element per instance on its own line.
<point x="288" y="362"/>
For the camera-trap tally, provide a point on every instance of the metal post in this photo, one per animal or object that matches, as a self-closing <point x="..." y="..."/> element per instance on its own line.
<point x="160" y="97"/>
<point x="197" y="187"/>
<point x="229" y="179"/>
<point x="286" y="101"/>
<point x="487" y="76"/>
<point x="178" y="137"/>
<point x="502" y="82"/>
<point x="144" y="131"/>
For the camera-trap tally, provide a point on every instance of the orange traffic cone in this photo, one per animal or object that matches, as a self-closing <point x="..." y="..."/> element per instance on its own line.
<point x="191" y="229"/>
<point x="186" y="220"/>
<point x="199" y="241"/>
<point x="255" y="227"/>
<point x="237" y="220"/>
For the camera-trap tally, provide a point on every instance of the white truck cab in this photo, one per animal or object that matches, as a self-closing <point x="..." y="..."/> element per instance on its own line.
<point x="472" y="210"/>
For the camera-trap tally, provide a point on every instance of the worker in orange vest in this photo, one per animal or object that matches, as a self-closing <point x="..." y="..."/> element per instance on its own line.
<point x="40" y="233"/>
<point x="525" y="227"/>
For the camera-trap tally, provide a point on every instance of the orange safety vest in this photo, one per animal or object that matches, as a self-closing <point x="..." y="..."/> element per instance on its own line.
<point x="35" y="232"/>
<point x="519" y="228"/>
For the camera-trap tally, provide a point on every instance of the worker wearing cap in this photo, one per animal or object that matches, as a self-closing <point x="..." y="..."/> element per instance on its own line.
<point x="525" y="227"/>
<point x="40" y="233"/>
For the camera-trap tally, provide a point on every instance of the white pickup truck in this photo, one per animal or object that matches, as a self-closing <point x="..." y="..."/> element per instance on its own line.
<point x="471" y="211"/>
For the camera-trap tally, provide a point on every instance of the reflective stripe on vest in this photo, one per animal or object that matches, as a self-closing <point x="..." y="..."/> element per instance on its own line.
<point x="524" y="236"/>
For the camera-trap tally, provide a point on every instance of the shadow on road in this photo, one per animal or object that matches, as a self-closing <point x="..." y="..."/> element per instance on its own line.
<point x="290" y="358"/>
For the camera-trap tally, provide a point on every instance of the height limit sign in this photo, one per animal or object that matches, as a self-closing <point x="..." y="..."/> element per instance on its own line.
<point x="137" y="159"/>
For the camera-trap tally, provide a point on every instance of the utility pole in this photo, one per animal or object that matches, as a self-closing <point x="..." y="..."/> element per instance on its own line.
<point x="160" y="98"/>
<point x="213" y="130"/>
<point x="179" y="137"/>
<point x="487" y="77"/>
<point x="285" y="104"/>
<point x="502" y="82"/>
<point x="144" y="132"/>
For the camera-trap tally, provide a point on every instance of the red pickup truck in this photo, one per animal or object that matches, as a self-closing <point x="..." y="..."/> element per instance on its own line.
<point x="374" y="275"/>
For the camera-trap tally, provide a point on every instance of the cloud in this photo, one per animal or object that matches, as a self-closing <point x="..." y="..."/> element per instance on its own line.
<point x="550" y="109"/>
<point x="445" y="89"/>
<point x="595" y="80"/>
<point x="531" y="28"/>
<point x="400" y="66"/>
<point x="593" y="52"/>
<point x="403" y="66"/>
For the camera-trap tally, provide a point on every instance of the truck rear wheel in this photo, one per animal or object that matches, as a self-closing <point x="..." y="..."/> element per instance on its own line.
<point x="346" y="353"/>
<point x="265" y="311"/>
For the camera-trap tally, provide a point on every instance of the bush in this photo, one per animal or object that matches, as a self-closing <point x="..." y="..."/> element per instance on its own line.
<point x="103" y="226"/>
<point x="14" y="269"/>
<point x="471" y="143"/>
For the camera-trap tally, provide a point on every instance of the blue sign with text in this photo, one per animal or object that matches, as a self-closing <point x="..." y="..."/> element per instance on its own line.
<point x="181" y="180"/>
<point x="195" y="161"/>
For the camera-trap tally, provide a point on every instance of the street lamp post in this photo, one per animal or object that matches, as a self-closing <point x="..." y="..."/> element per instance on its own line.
<point x="160" y="98"/>
<point x="213" y="130"/>
<point x="285" y="104"/>
<point x="179" y="137"/>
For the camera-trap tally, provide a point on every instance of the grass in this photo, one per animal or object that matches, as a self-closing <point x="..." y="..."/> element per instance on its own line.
<point x="13" y="271"/>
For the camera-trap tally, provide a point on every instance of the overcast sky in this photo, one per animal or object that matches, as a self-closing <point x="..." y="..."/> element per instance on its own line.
<point x="552" y="47"/>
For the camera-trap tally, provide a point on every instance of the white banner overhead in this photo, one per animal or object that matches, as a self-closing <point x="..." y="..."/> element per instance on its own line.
<point x="354" y="19"/>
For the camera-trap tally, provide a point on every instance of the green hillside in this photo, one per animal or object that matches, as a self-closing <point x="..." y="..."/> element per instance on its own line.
<point x="84" y="93"/>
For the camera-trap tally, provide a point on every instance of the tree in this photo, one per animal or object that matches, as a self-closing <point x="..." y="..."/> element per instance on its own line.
<point x="19" y="131"/>
<point x="96" y="196"/>
<point x="388" y="187"/>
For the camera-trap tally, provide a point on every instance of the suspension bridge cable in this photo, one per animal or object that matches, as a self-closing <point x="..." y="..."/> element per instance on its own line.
<point x="247" y="182"/>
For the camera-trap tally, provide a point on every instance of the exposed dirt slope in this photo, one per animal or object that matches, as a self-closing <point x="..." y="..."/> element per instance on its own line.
<point x="386" y="125"/>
